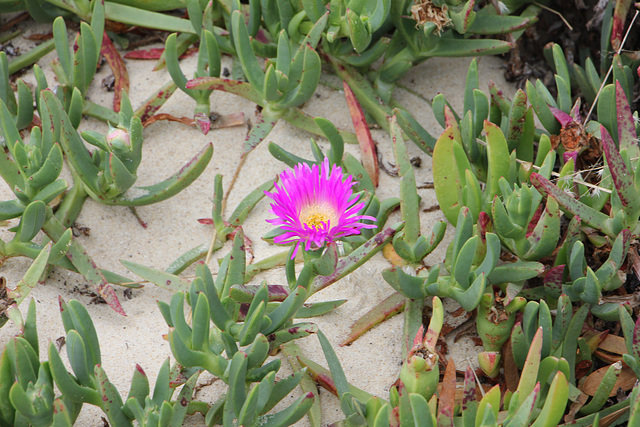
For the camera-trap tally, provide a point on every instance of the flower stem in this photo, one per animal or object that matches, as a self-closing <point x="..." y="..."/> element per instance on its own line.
<point x="306" y="276"/>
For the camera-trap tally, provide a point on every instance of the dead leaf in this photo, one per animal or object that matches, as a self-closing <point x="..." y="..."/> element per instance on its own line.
<point x="575" y="407"/>
<point x="609" y="419"/>
<point x="164" y="116"/>
<point x="447" y="396"/>
<point x="228" y="120"/>
<point x="613" y="344"/>
<point x="39" y="37"/>
<point x="6" y="300"/>
<point x="15" y="21"/>
<point x="111" y="54"/>
<point x="155" y="53"/>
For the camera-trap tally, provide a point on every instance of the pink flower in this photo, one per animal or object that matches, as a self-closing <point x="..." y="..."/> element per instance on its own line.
<point x="314" y="205"/>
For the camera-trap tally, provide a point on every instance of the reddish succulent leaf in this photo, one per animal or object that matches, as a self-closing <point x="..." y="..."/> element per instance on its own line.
<point x="116" y="27"/>
<point x="622" y="180"/>
<point x="367" y="145"/>
<point x="155" y="101"/>
<point x="120" y="73"/>
<point x="389" y="307"/>
<point x="626" y="125"/>
<point x="511" y="375"/>
<point x="447" y="397"/>
<point x="570" y="155"/>
<point x="563" y="118"/>
<point x="469" y="391"/>
<point x="534" y="220"/>
<point x="155" y="53"/>
<point x="566" y="201"/>
<point x="205" y="221"/>
<point x="395" y="417"/>
<point x="203" y="121"/>
<point x="449" y="117"/>
<point x="553" y="278"/>
<point x="107" y="293"/>
<point x="575" y="111"/>
<point x="319" y="374"/>
<point x="484" y="225"/>
<point x="417" y="340"/>
<point x="619" y="18"/>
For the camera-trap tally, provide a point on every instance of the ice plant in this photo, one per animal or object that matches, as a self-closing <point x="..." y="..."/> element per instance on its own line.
<point x="315" y="205"/>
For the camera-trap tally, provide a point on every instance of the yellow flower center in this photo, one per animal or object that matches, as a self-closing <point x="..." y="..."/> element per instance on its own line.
<point x="317" y="215"/>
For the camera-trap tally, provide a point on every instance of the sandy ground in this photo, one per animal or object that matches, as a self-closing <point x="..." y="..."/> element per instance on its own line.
<point x="371" y="363"/>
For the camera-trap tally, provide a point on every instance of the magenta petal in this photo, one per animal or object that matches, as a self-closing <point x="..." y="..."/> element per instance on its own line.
<point x="323" y="191"/>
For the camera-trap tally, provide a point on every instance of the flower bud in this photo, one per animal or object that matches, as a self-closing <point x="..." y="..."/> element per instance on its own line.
<point x="119" y="140"/>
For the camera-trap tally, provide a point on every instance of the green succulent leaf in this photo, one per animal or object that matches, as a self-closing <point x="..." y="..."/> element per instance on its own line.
<point x="170" y="186"/>
<point x="449" y="165"/>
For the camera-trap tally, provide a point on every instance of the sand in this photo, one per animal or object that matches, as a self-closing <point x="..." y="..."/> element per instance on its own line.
<point x="371" y="363"/>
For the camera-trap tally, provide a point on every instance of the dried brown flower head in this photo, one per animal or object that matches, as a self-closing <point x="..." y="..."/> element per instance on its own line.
<point x="424" y="11"/>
